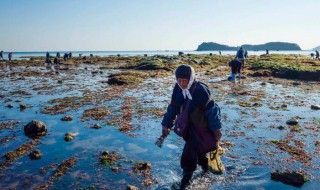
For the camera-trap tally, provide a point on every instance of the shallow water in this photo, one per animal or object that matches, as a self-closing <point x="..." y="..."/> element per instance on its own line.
<point x="250" y="128"/>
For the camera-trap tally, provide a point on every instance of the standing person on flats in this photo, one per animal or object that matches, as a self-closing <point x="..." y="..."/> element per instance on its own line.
<point x="1" y="55"/>
<point x="10" y="56"/>
<point x="240" y="57"/>
<point x="203" y="115"/>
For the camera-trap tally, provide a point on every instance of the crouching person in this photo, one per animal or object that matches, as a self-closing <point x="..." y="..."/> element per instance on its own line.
<point x="195" y="117"/>
<point x="236" y="66"/>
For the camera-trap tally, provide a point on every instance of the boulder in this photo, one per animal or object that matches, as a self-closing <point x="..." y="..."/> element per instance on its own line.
<point x="67" y="118"/>
<point x="131" y="187"/>
<point x="289" y="177"/>
<point x="23" y="106"/>
<point x="315" y="107"/>
<point x="35" y="155"/>
<point x="35" y="129"/>
<point x="292" y="121"/>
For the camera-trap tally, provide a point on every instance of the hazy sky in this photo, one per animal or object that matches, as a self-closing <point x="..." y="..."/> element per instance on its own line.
<point x="49" y="25"/>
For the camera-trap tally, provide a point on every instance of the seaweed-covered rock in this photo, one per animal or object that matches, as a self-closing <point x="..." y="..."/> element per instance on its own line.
<point x="35" y="129"/>
<point x="289" y="177"/>
<point x="35" y="155"/>
<point x="109" y="158"/>
<point x="131" y="187"/>
<point x="67" y="118"/>
<point x="68" y="138"/>
<point x="143" y="168"/>
<point x="129" y="77"/>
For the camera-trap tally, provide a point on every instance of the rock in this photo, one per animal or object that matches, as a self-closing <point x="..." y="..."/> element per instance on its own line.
<point x="292" y="121"/>
<point x="35" y="129"/>
<point x="115" y="169"/>
<point x="23" y="106"/>
<point x="131" y="187"/>
<point x="59" y="81"/>
<point x="67" y="118"/>
<point x="317" y="143"/>
<point x="10" y="106"/>
<point x="97" y="126"/>
<point x="35" y="155"/>
<point x="68" y="137"/>
<point x="289" y="177"/>
<point x="180" y="53"/>
<point x="296" y="83"/>
<point x="281" y="127"/>
<point x="315" y="107"/>
<point x="262" y="84"/>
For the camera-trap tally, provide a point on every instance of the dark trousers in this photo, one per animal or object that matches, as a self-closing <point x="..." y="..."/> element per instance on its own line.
<point x="190" y="158"/>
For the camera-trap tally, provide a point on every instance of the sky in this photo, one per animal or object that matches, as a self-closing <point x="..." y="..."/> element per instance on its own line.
<point x="129" y="25"/>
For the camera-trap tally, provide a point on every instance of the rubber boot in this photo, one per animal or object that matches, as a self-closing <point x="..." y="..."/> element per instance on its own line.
<point x="185" y="181"/>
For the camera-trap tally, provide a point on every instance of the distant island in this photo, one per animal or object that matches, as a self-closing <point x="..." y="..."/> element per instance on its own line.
<point x="212" y="46"/>
<point x="316" y="48"/>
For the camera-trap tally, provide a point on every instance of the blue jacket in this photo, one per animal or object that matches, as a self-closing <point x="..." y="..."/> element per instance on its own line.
<point x="202" y="110"/>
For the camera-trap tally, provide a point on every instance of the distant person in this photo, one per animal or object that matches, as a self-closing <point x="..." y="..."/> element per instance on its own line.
<point x="10" y="56"/>
<point x="58" y="55"/>
<point x="1" y="55"/>
<point x="317" y="55"/>
<point x="47" y="55"/>
<point x="312" y="55"/>
<point x="240" y="55"/>
<point x="80" y="55"/>
<point x="65" y="57"/>
<point x="245" y="54"/>
<point x="219" y="52"/>
<point x="56" y="61"/>
<point x="48" y="62"/>
<point x="236" y="66"/>
<point x="70" y="55"/>
<point x="267" y="52"/>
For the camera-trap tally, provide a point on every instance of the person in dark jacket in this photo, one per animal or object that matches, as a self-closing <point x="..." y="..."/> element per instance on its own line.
<point x="236" y="66"/>
<point x="10" y="56"/>
<point x="1" y="55"/>
<point x="202" y="111"/>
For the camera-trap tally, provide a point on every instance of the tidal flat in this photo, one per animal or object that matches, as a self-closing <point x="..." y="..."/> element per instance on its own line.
<point x="103" y="116"/>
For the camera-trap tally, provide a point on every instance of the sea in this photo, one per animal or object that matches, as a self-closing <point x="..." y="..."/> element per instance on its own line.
<point x="23" y="55"/>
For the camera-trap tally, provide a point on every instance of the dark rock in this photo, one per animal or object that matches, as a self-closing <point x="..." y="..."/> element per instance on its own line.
<point x="180" y="53"/>
<point x="296" y="83"/>
<point x="59" y="81"/>
<point x="10" y="106"/>
<point x="289" y="177"/>
<point x="67" y="118"/>
<point x="263" y="84"/>
<point x="131" y="187"/>
<point x="23" y="106"/>
<point x="292" y="121"/>
<point x="35" y="129"/>
<point x="68" y="137"/>
<point x="315" y="107"/>
<point x="281" y="127"/>
<point x="262" y="74"/>
<point x="97" y="126"/>
<point x="35" y="155"/>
